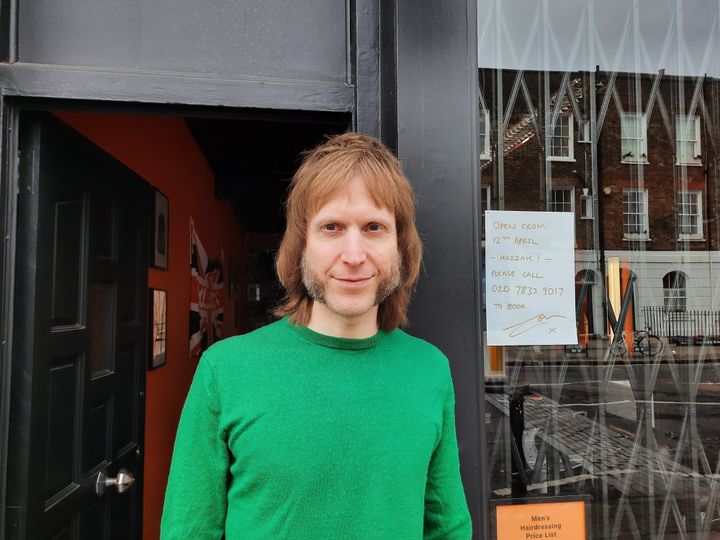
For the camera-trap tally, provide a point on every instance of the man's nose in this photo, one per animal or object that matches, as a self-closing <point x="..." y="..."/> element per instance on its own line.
<point x="353" y="249"/>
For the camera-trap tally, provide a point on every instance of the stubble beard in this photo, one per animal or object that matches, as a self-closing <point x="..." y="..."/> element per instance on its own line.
<point x="315" y="285"/>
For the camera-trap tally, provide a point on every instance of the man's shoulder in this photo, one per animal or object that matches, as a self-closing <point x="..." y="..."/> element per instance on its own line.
<point x="409" y="340"/>
<point x="255" y="341"/>
<point x="417" y="347"/>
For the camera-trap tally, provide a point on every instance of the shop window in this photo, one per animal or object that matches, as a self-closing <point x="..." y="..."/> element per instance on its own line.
<point x="484" y="134"/>
<point x="635" y="214"/>
<point x="561" y="200"/>
<point x="605" y="70"/>
<point x="687" y="140"/>
<point x="675" y="291"/>
<point x="689" y="215"/>
<point x="633" y="128"/>
<point x="560" y="137"/>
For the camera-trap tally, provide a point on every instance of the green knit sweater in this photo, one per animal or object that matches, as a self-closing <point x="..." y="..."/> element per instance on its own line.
<point x="291" y="434"/>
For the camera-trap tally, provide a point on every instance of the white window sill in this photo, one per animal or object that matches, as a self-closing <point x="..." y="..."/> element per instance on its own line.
<point x="689" y="164"/>
<point x="486" y="157"/>
<point x="636" y="239"/>
<point x="691" y="239"/>
<point x="635" y="161"/>
<point x="560" y="158"/>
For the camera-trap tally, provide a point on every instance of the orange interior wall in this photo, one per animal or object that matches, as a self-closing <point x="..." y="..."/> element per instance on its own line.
<point x="162" y="150"/>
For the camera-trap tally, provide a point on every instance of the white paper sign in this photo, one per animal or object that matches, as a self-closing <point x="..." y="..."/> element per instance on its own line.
<point x="530" y="278"/>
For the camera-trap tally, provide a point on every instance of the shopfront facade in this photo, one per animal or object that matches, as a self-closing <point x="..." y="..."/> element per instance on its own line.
<point x="604" y="115"/>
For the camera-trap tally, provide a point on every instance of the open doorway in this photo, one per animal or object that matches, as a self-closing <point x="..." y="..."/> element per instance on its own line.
<point x="253" y="160"/>
<point x="223" y="179"/>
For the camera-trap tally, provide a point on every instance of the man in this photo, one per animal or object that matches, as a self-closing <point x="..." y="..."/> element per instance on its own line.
<point x="331" y="423"/>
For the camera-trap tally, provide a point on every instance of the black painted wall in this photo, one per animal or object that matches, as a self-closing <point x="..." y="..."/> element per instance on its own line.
<point x="437" y="133"/>
<point x="302" y="39"/>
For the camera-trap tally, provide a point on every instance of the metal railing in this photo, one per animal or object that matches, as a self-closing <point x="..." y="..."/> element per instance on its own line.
<point x="683" y="327"/>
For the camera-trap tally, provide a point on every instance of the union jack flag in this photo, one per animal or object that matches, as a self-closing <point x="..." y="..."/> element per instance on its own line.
<point x="206" y="286"/>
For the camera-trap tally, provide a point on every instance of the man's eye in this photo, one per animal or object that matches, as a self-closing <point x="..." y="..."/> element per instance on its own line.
<point x="375" y="227"/>
<point x="330" y="227"/>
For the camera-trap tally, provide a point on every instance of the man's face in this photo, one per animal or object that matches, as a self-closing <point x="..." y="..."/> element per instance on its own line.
<point x="351" y="261"/>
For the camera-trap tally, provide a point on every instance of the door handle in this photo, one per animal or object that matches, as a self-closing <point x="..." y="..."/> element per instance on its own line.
<point x="123" y="481"/>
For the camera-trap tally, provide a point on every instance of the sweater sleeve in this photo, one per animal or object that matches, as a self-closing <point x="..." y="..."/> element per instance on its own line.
<point x="196" y="496"/>
<point x="446" y="512"/>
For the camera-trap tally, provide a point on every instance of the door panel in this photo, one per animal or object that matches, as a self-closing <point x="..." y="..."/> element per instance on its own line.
<point x="81" y="345"/>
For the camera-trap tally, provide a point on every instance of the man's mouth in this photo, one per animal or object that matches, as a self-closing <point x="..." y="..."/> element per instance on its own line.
<point x="353" y="280"/>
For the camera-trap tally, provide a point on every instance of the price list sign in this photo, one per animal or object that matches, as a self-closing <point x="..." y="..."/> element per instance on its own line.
<point x="530" y="278"/>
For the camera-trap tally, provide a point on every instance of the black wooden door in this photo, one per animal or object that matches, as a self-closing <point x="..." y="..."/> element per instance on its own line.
<point x="80" y="341"/>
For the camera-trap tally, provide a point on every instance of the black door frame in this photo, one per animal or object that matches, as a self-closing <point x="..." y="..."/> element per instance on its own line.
<point x="9" y="181"/>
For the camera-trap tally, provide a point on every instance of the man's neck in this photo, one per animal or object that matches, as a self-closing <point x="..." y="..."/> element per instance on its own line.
<point x="324" y="321"/>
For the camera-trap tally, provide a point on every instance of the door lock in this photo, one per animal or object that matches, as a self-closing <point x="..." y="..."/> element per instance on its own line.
<point x="123" y="481"/>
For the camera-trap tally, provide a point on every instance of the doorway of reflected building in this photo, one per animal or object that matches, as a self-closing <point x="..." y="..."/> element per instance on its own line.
<point x="607" y="113"/>
<point x="143" y="236"/>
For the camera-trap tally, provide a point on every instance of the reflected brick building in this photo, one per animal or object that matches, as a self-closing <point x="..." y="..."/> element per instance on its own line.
<point x="634" y="156"/>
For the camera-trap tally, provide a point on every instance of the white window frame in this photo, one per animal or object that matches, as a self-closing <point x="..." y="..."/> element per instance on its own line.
<point x="485" y="148"/>
<point x="549" y="135"/>
<point x="692" y="137"/>
<point x="625" y="157"/>
<point x="645" y="235"/>
<point x="698" y="234"/>
<point x="571" y="200"/>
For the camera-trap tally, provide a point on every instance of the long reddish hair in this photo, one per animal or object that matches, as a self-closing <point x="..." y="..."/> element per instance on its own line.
<point x="326" y="171"/>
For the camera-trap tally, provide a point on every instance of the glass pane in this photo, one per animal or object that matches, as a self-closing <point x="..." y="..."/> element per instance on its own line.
<point x="619" y="410"/>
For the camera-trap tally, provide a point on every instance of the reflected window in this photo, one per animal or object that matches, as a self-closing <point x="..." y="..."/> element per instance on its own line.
<point x="586" y="205"/>
<point x="675" y="291"/>
<point x="561" y="200"/>
<point x="484" y="134"/>
<point x="560" y="138"/>
<point x="689" y="215"/>
<point x="633" y="127"/>
<point x="635" y="214"/>
<point x="484" y="205"/>
<point x="687" y="140"/>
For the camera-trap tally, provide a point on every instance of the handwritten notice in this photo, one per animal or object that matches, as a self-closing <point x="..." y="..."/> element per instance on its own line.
<point x="558" y="520"/>
<point x="530" y="278"/>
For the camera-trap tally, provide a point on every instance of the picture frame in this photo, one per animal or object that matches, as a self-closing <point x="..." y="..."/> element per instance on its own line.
<point x="160" y="230"/>
<point x="157" y="356"/>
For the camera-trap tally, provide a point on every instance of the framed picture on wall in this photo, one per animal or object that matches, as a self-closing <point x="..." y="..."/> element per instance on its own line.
<point x="160" y="231"/>
<point x="158" y="328"/>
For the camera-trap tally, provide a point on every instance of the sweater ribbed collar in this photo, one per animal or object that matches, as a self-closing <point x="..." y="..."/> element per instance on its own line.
<point x="337" y="342"/>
